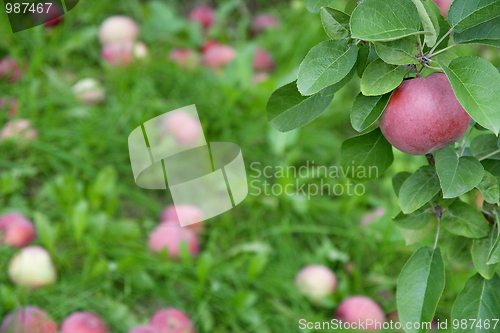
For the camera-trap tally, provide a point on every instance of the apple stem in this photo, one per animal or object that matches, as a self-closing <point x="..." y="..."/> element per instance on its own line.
<point x="439" y="42"/>
<point x="489" y="155"/>
<point x="433" y="68"/>
<point x="431" y="160"/>
<point x="441" y="51"/>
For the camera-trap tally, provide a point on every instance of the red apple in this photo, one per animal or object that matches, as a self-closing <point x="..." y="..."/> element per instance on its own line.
<point x="186" y="129"/>
<point x="263" y="61"/>
<point x="172" y="320"/>
<point x="18" y="129"/>
<point x="32" y="267"/>
<point x="16" y="230"/>
<point x="423" y="115"/>
<point x="218" y="56"/>
<point x="360" y="308"/>
<point x="118" y="29"/>
<point x="170" y="237"/>
<point x="190" y="212"/>
<point x="10" y="104"/>
<point x="444" y="6"/>
<point x="53" y="17"/>
<point x="10" y="70"/>
<point x="204" y="15"/>
<point x="145" y="329"/>
<point x="185" y="58"/>
<point x="208" y="44"/>
<point x="89" y="91"/>
<point x="83" y="322"/>
<point x="29" y="319"/>
<point x="123" y="53"/>
<point x="316" y="282"/>
<point x="263" y="22"/>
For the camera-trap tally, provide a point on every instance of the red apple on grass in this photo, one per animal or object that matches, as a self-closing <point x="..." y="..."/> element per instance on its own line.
<point x="263" y="22"/>
<point x="172" y="320"/>
<point x="170" y="237"/>
<point x="185" y="58"/>
<point x="218" y="56"/>
<point x="208" y="44"/>
<point x="32" y="267"/>
<point x="9" y="104"/>
<point x="263" y="61"/>
<point x="16" y="230"/>
<point x="123" y="53"/>
<point x="145" y="329"/>
<point x="89" y="91"/>
<point x="18" y="129"/>
<point x="190" y="212"/>
<point x="204" y="15"/>
<point x="83" y="322"/>
<point x="360" y="308"/>
<point x="316" y="282"/>
<point x="118" y="29"/>
<point x="186" y="129"/>
<point x="423" y="115"/>
<point x="29" y="319"/>
<point x="10" y="70"/>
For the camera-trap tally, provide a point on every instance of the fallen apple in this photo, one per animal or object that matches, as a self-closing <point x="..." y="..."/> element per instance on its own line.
<point x="218" y="56"/>
<point x="16" y="230"/>
<point x="118" y="29"/>
<point x="10" y="70"/>
<point x="29" y="319"/>
<point x="172" y="320"/>
<point x="316" y="282"/>
<point x="18" y="129"/>
<point x="204" y="15"/>
<point x="89" y="91"/>
<point x="83" y="322"/>
<point x="191" y="213"/>
<point x="357" y="309"/>
<point x="171" y="237"/>
<point x="263" y="61"/>
<point x="32" y="267"/>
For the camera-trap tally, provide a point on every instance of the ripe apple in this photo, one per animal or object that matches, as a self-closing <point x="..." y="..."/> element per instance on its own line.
<point x="50" y="19"/>
<point x="10" y="70"/>
<point x="218" y="56"/>
<point x="444" y="6"/>
<point x="89" y="91"/>
<point x="18" y="129"/>
<point x="32" y="267"/>
<point x="263" y="61"/>
<point x="186" y="129"/>
<point x="118" y="29"/>
<point x="83" y="322"/>
<point x="360" y="308"/>
<point x="10" y="104"/>
<point x="208" y="44"/>
<point x="123" y="53"/>
<point x="29" y="319"/>
<point x="185" y="58"/>
<point x="145" y="329"/>
<point x="316" y="282"/>
<point x="263" y="22"/>
<point x="423" y="115"/>
<point x="172" y="320"/>
<point x="170" y="237"/>
<point x="204" y="15"/>
<point x="16" y="230"/>
<point x="192" y="213"/>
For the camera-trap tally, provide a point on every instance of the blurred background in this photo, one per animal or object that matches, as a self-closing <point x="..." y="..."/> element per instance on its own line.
<point x="64" y="165"/>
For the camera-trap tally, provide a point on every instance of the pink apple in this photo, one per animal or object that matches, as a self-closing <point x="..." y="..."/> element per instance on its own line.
<point x="53" y="17"/>
<point x="32" y="267"/>
<point x="186" y="129"/>
<point x="190" y="212"/>
<point x="444" y="6"/>
<point x="260" y="77"/>
<point x="170" y="237"/>
<point x="208" y="44"/>
<point x="119" y="53"/>
<point x="218" y="56"/>
<point x="204" y="15"/>
<point x="263" y="22"/>
<point x="360" y="308"/>
<point x="172" y="320"/>
<point x="316" y="282"/>
<point x="118" y="29"/>
<point x="9" y="104"/>
<point x="89" y="91"/>
<point x="263" y="61"/>
<point x="145" y="329"/>
<point x="10" y="70"/>
<point x="83" y="322"/>
<point x="18" y="129"/>
<point x="185" y="58"/>
<point x="372" y="216"/>
<point x="16" y="230"/>
<point x="29" y="319"/>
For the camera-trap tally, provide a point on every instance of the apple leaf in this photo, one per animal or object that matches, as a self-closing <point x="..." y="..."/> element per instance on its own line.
<point x="366" y="56"/>
<point x="420" y="287"/>
<point x="335" y="23"/>
<point x="418" y="189"/>
<point x="442" y="26"/>
<point x="464" y="220"/>
<point x="380" y="78"/>
<point x="489" y="188"/>
<point x="460" y="250"/>
<point x="380" y="20"/>
<point x="476" y="83"/>
<point x="314" y="6"/>
<point x="367" y="109"/>
<point x="399" y="52"/>
<point x="481" y="250"/>
<point x="457" y="175"/>
<point x="326" y="63"/>
<point x="485" y="145"/>
<point x="369" y="154"/>
<point x="478" y="303"/>
<point x="493" y="167"/>
<point x="494" y="257"/>
<point x="427" y="24"/>
<point x="485" y="33"/>
<point x="465" y="14"/>
<point x="414" y="221"/>
<point x="398" y="181"/>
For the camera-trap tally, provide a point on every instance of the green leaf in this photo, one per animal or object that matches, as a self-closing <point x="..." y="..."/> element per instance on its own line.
<point x="427" y="24"/>
<point x="477" y="301"/>
<point x="380" y="78"/>
<point x="489" y="188"/>
<point x="414" y="221"/>
<point x="494" y="256"/>
<point x="366" y="56"/>
<point x="398" y="181"/>
<point x="335" y="23"/>
<point x="484" y="145"/>
<point x="481" y="250"/>
<point x="415" y="236"/>
<point x="476" y="83"/>
<point x="369" y="154"/>
<point x="420" y="287"/>
<point x="366" y="110"/>
<point x="464" y="220"/>
<point x="485" y="33"/>
<point x="399" y="52"/>
<point x="349" y="7"/>
<point x="327" y="63"/>
<point x="314" y="6"/>
<point x="287" y="109"/>
<point x="460" y="250"/>
<point x="378" y="20"/>
<point x="418" y="189"/>
<point x="442" y="26"/>
<point x="457" y="175"/>
<point x="493" y="167"/>
<point x="465" y="14"/>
